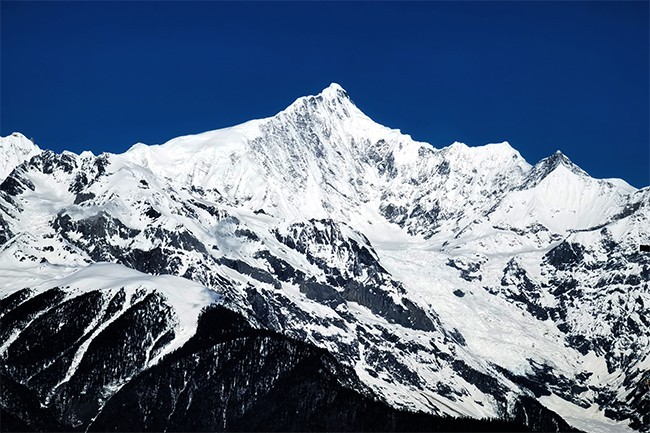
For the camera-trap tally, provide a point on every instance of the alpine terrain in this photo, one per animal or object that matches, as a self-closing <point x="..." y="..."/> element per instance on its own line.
<point x="318" y="271"/>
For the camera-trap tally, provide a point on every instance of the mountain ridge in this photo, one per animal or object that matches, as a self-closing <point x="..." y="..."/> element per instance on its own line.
<point x="399" y="259"/>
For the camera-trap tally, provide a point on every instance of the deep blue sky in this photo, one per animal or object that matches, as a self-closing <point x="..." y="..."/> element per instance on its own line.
<point x="543" y="75"/>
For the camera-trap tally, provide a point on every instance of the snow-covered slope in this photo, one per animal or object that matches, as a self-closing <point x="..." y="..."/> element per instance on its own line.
<point x="15" y="149"/>
<point x="457" y="281"/>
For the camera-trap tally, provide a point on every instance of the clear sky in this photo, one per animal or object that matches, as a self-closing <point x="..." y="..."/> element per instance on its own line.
<point x="542" y="75"/>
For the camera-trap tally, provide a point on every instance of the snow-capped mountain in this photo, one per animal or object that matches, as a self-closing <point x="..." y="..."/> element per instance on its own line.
<point x="458" y="282"/>
<point x="15" y="149"/>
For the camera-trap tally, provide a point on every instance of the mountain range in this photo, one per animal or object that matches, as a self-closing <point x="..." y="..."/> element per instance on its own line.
<point x="318" y="271"/>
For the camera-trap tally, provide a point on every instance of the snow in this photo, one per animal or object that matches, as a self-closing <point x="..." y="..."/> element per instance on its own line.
<point x="15" y="149"/>
<point x="322" y="157"/>
<point x="194" y="158"/>
<point x="589" y="420"/>
<point x="621" y="184"/>
<point x="492" y="328"/>
<point x="186" y="297"/>
<point x="332" y="91"/>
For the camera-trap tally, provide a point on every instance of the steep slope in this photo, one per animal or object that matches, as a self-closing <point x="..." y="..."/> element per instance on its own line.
<point x="15" y="149"/>
<point x="322" y="158"/>
<point x="317" y="280"/>
<point x="555" y="198"/>
<point x="456" y="281"/>
<point x="113" y="377"/>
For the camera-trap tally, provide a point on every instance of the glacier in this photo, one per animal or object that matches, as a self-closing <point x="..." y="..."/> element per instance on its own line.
<point x="456" y="281"/>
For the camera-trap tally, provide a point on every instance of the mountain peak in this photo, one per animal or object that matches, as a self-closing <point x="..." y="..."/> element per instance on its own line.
<point x="16" y="140"/>
<point x="557" y="159"/>
<point x="548" y="165"/>
<point x="334" y="91"/>
<point x="333" y="100"/>
<point x="15" y="148"/>
<point x="502" y="152"/>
